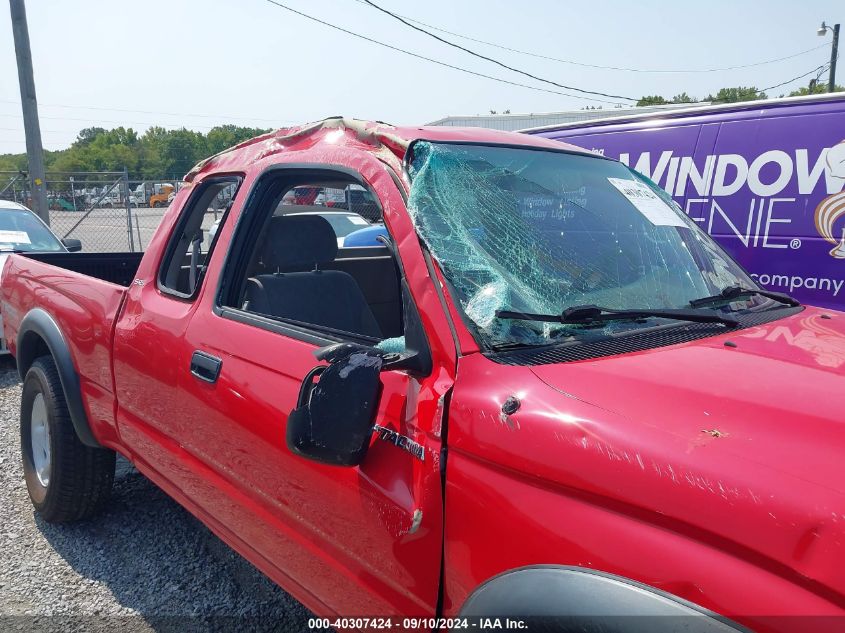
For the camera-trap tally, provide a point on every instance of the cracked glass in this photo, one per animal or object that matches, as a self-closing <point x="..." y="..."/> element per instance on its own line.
<point x="539" y="231"/>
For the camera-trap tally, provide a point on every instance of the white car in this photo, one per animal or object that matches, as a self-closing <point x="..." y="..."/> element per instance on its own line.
<point x="343" y="222"/>
<point x="21" y="231"/>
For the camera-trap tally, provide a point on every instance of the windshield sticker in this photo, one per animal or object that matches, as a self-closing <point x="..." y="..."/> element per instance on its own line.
<point x="647" y="202"/>
<point x="355" y="220"/>
<point x="541" y="207"/>
<point x="15" y="237"/>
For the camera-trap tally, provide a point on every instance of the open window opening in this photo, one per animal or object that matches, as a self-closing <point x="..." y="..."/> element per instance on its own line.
<point x="190" y="246"/>
<point x="312" y="252"/>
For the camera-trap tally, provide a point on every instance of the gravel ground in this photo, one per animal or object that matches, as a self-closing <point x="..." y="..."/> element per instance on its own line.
<point x="144" y="565"/>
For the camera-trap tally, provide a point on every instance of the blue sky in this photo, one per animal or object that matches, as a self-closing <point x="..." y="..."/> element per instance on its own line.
<point x="198" y="63"/>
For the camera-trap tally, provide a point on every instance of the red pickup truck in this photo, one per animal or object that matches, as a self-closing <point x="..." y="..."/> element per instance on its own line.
<point x="547" y="393"/>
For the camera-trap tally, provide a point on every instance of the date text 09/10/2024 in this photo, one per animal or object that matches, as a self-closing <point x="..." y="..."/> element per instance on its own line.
<point x="421" y="624"/>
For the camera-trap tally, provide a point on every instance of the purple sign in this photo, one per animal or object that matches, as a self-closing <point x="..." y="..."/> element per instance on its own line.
<point x="766" y="183"/>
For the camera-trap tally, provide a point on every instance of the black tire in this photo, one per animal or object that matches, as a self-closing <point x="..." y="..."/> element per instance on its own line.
<point x="78" y="479"/>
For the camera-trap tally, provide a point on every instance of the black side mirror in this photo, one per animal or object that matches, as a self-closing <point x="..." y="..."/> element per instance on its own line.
<point x="333" y="419"/>
<point x="72" y="244"/>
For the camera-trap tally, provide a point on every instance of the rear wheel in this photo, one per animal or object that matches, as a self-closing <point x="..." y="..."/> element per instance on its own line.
<point x="66" y="480"/>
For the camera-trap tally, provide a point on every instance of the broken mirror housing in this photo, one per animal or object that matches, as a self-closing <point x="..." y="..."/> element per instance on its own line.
<point x="334" y="417"/>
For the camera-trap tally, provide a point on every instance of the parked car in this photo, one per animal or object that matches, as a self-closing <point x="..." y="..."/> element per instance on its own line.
<point x="764" y="178"/>
<point x="369" y="236"/>
<point x="23" y="231"/>
<point x="553" y="393"/>
<point x="343" y="223"/>
<point x="114" y="198"/>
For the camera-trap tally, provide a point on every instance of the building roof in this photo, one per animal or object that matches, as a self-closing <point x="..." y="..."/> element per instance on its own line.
<point x="519" y="121"/>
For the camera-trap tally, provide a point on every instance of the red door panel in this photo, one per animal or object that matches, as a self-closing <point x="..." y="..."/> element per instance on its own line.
<point x="148" y="352"/>
<point x="375" y="528"/>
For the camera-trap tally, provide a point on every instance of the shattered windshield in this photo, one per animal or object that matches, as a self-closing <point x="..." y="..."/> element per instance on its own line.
<point x="538" y="231"/>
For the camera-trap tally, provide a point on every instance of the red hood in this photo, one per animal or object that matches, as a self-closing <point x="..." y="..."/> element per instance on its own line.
<point x="742" y="446"/>
<point x="777" y="398"/>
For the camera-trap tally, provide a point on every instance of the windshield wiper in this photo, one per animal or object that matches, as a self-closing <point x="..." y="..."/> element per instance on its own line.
<point x="732" y="293"/>
<point x="594" y="314"/>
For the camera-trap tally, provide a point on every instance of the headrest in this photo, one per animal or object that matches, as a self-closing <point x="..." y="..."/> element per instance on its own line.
<point x="298" y="241"/>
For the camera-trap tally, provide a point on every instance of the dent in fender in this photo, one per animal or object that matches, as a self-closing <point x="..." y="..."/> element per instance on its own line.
<point x="587" y="594"/>
<point x="39" y="323"/>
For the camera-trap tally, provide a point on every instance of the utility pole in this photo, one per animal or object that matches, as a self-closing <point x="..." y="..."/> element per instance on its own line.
<point x="834" y="52"/>
<point x="34" y="151"/>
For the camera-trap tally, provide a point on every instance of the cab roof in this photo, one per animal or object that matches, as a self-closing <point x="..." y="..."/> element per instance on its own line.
<point x="387" y="142"/>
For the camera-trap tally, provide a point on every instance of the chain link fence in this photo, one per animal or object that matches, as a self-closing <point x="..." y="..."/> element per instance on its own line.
<point x="105" y="210"/>
<point x="108" y="212"/>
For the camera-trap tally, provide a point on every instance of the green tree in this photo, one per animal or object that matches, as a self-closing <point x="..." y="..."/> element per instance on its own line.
<point x="157" y="153"/>
<point x="88" y="134"/>
<point x="70" y="161"/>
<point x="652" y="100"/>
<point x="225" y="136"/>
<point x="182" y="150"/>
<point x="818" y="89"/>
<point x="738" y="93"/>
<point x="658" y="100"/>
<point x="151" y="153"/>
<point x="13" y="162"/>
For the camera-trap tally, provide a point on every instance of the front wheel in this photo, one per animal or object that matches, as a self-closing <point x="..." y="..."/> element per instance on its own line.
<point x="66" y="480"/>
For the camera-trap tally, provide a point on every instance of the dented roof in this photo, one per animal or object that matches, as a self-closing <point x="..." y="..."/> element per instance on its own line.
<point x="387" y="142"/>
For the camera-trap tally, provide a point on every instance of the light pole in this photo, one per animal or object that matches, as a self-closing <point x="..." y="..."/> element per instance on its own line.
<point x="834" y="51"/>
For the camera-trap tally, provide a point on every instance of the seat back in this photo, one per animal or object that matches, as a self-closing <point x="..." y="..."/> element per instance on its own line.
<point x="297" y="290"/>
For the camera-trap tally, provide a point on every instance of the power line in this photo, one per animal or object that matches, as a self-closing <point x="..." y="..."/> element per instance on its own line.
<point x="17" y="129"/>
<point x="820" y="69"/>
<point x="431" y="60"/>
<point x="181" y="114"/>
<point x="599" y="66"/>
<point x="123" y="123"/>
<point x="817" y="69"/>
<point x="490" y="59"/>
<point x="20" y="142"/>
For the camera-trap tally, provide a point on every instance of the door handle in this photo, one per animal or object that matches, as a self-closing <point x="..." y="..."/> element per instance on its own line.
<point x="205" y="366"/>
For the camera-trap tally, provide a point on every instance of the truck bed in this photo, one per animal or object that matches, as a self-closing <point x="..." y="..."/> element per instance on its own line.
<point x="79" y="296"/>
<point x="117" y="268"/>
